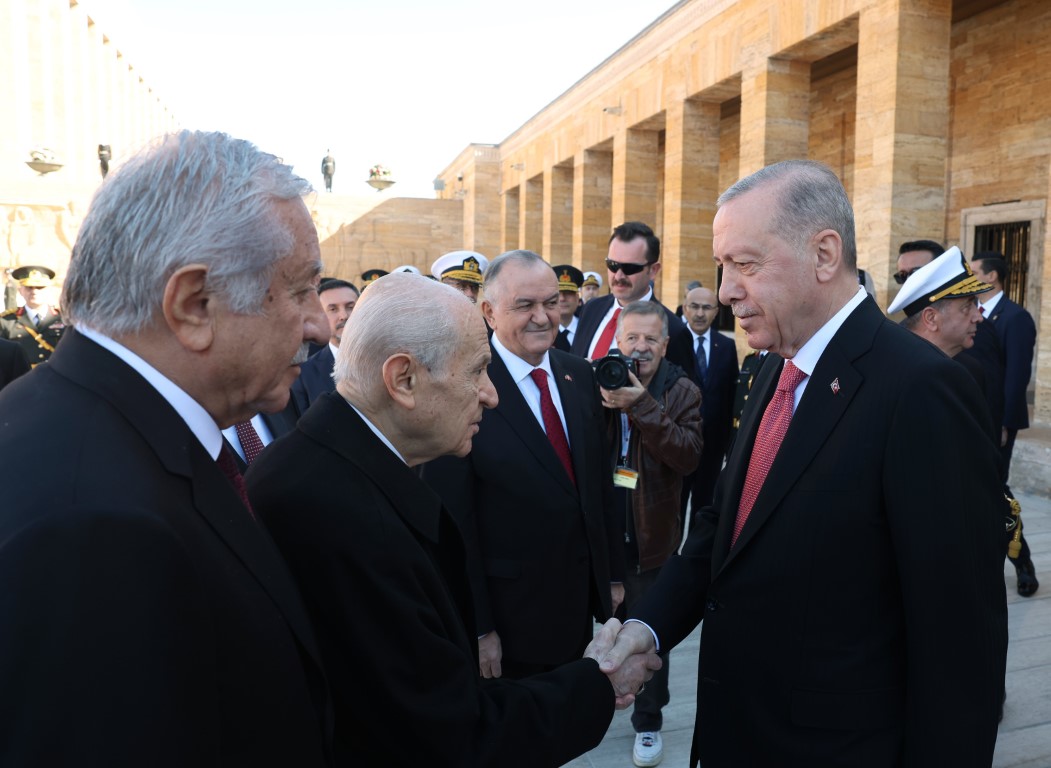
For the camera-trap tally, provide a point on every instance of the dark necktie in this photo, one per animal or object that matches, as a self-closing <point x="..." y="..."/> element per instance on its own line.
<point x="702" y="361"/>
<point x="552" y="423"/>
<point x="228" y="464"/>
<point x="768" y="439"/>
<point x="606" y="339"/>
<point x="251" y="443"/>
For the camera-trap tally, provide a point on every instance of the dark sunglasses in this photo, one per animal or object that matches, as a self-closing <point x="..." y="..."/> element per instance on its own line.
<point x="901" y="277"/>
<point x="627" y="269"/>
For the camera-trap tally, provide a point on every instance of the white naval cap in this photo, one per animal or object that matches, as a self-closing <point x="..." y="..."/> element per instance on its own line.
<point x="947" y="277"/>
<point x="461" y="265"/>
<point x="593" y="278"/>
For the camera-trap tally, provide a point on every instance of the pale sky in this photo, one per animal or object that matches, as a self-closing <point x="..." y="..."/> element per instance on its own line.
<point x="404" y="83"/>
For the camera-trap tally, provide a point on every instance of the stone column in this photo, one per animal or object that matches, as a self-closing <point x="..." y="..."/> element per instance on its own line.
<point x="531" y="215"/>
<point x="691" y="185"/>
<point x="592" y="192"/>
<point x="901" y="144"/>
<point x="775" y="113"/>
<point x="509" y="235"/>
<point x="557" y="245"/>
<point x="635" y="177"/>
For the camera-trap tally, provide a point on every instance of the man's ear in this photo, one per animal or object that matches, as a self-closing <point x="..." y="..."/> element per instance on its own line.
<point x="828" y="246"/>
<point x="188" y="309"/>
<point x="401" y="378"/>
<point x="489" y="313"/>
<point x="931" y="318"/>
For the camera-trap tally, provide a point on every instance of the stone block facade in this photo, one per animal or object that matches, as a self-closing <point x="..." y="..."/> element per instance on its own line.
<point x="934" y="113"/>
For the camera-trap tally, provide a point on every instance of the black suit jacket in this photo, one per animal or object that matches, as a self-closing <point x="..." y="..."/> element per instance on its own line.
<point x="1017" y="333"/>
<point x="541" y="551"/>
<point x="315" y="379"/>
<point x="869" y="573"/>
<point x="382" y="569"/>
<point x="13" y="362"/>
<point x="717" y="390"/>
<point x="149" y="620"/>
<point x="592" y="316"/>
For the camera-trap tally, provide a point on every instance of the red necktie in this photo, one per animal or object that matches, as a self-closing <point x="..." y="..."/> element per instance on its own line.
<point x="228" y="464"/>
<point x="552" y="424"/>
<point x="606" y="339"/>
<point x="251" y="444"/>
<point x="768" y="439"/>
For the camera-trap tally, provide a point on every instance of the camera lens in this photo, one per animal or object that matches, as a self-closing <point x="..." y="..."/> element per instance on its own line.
<point x="611" y="373"/>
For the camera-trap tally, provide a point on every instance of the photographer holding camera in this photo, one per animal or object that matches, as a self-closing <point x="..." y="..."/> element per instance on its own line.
<point x="654" y="426"/>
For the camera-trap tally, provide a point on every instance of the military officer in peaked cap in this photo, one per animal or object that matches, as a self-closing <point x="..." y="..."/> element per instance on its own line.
<point x="590" y="287"/>
<point x="37" y="326"/>
<point x="941" y="305"/>
<point x="462" y="270"/>
<point x="371" y="275"/>
<point x="570" y="279"/>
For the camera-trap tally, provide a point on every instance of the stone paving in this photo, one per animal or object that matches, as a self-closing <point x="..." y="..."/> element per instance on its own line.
<point x="1025" y="733"/>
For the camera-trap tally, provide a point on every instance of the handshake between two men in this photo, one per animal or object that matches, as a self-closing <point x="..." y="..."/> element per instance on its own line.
<point x="626" y="654"/>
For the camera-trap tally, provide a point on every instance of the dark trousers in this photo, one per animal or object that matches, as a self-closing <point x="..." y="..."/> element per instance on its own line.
<point x="648" y="704"/>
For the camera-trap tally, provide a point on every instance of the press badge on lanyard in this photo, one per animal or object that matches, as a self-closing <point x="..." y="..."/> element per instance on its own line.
<point x="624" y="476"/>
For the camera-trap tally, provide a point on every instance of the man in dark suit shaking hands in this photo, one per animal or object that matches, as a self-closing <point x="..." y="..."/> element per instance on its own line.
<point x="148" y="617"/>
<point x="545" y="551"/>
<point x="809" y="567"/>
<point x="381" y="563"/>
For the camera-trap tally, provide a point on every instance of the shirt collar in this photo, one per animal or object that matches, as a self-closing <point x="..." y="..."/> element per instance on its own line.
<point x="376" y="431"/>
<point x="516" y="366"/>
<point x="808" y="355"/>
<point x="990" y="305"/>
<point x="193" y="413"/>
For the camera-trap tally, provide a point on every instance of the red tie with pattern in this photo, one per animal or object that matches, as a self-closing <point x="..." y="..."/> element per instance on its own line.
<point x="768" y="439"/>
<point x="251" y="443"/>
<point x="552" y="423"/>
<point x="606" y="339"/>
<point x="228" y="464"/>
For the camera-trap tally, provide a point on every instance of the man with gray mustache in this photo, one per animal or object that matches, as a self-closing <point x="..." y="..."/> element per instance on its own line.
<point x="654" y="429"/>
<point x="148" y="617"/>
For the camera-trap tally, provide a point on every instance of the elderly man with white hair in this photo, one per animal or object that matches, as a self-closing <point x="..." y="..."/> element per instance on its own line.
<point x="381" y="563"/>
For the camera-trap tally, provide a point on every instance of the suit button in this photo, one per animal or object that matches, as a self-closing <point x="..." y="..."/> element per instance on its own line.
<point x="712" y="605"/>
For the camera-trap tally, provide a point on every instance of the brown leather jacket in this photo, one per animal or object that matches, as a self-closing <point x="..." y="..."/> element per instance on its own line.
<point x="665" y="445"/>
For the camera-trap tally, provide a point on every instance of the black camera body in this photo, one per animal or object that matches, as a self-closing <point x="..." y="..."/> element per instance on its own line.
<point x="611" y="371"/>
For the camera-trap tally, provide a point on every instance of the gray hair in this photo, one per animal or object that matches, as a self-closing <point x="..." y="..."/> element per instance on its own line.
<point x="644" y="308"/>
<point x="193" y="198"/>
<point x="400" y="313"/>
<point x="811" y="199"/>
<point x="491" y="282"/>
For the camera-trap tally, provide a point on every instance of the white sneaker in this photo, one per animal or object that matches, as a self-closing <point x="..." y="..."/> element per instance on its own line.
<point x="649" y="749"/>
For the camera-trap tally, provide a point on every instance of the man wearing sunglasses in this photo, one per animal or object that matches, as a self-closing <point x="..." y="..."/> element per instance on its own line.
<point x="633" y="263"/>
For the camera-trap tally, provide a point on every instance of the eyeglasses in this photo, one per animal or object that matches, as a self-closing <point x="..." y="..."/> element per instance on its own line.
<point x="901" y="277"/>
<point x="627" y="269"/>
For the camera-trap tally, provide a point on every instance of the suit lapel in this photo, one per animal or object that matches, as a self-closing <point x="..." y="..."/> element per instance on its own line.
<point x="732" y="479"/>
<point x="179" y="451"/>
<point x="819" y="410"/>
<point x="516" y="412"/>
<point x="572" y="406"/>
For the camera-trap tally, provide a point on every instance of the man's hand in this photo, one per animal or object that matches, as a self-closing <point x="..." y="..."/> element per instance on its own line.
<point x="617" y="596"/>
<point x="489" y="655"/>
<point x="625" y="397"/>
<point x="1003" y="436"/>
<point x="627" y="669"/>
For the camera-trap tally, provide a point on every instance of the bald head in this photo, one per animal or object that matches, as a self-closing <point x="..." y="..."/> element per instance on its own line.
<point x="415" y="363"/>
